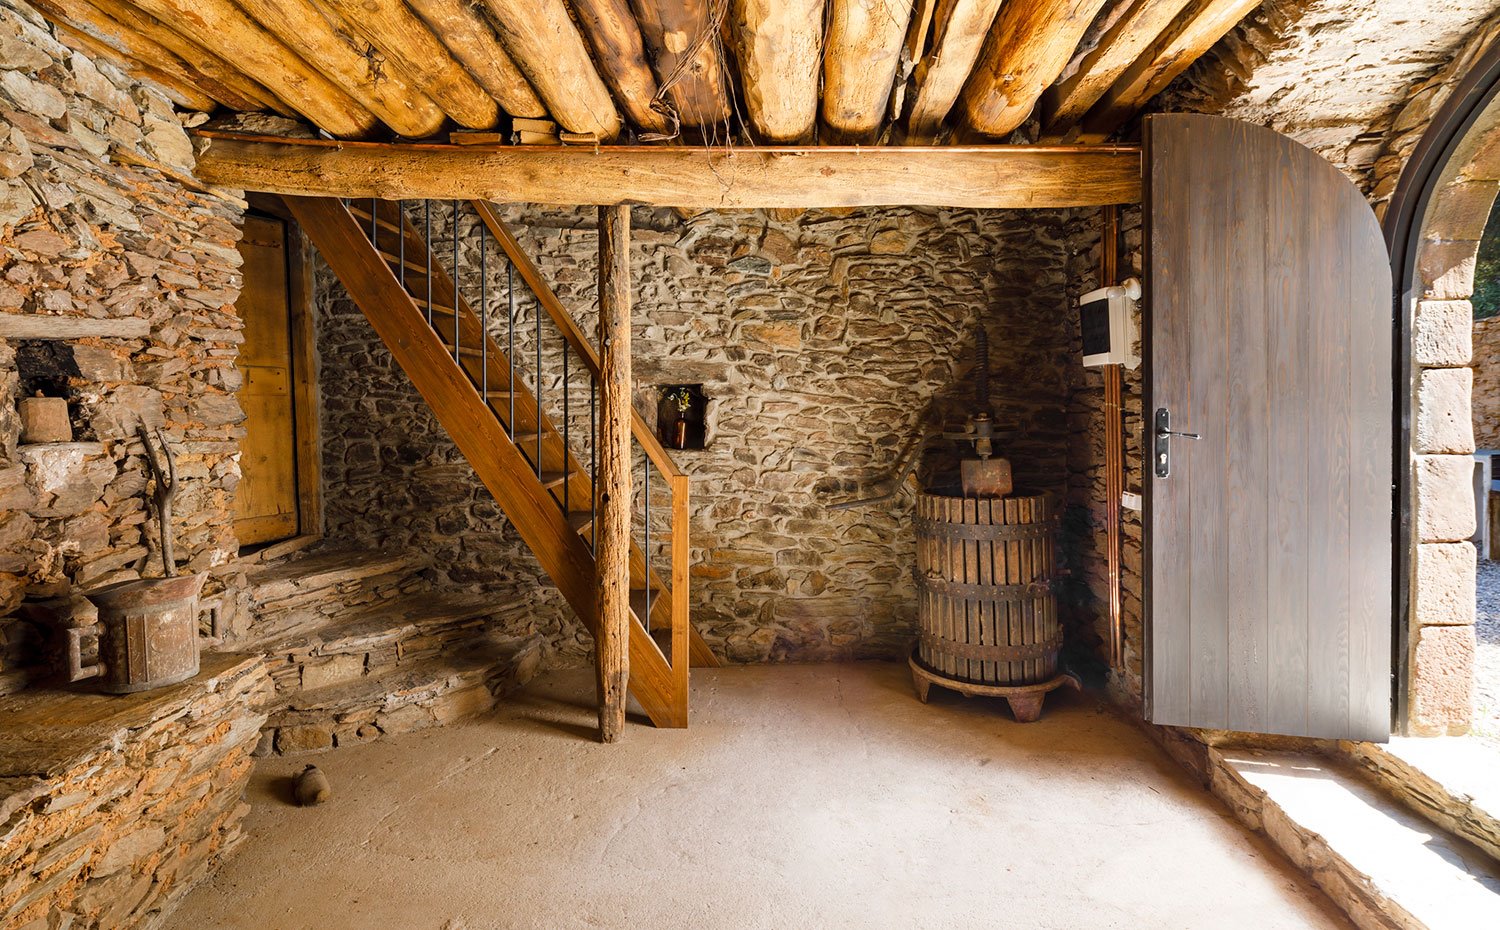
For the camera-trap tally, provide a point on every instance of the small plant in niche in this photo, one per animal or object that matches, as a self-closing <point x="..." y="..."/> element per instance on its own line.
<point x="680" y="415"/>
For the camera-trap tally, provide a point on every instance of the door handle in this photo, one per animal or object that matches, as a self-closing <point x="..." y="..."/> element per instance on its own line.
<point x="1164" y="432"/>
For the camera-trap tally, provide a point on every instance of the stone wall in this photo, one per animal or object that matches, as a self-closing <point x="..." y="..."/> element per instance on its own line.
<point x="1088" y="591"/>
<point x="94" y="225"/>
<point x="825" y="341"/>
<point x="1486" y="403"/>
<point x="1343" y="77"/>
<point x="106" y="822"/>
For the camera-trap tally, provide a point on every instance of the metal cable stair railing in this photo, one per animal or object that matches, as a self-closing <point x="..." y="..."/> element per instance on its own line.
<point x="464" y="343"/>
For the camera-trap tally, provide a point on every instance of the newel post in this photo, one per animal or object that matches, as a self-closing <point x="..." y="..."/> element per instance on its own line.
<point x="611" y="645"/>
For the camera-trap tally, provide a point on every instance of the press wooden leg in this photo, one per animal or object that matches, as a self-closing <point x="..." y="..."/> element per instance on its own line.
<point x="1026" y="707"/>
<point x="921" y="685"/>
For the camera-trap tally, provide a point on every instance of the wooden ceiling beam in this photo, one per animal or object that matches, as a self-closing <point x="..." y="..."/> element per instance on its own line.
<point x="471" y="39"/>
<point x="400" y="34"/>
<point x="1193" y="32"/>
<point x="1029" y="45"/>
<point x="545" y="44"/>
<point x="778" y="44"/>
<point x="262" y="54"/>
<point x="620" y="53"/>
<point x="990" y="177"/>
<point x="682" y="37"/>
<point x="349" y="61"/>
<point x="860" y="60"/>
<point x="911" y="53"/>
<point x="959" y="30"/>
<point x="150" y="42"/>
<point x="1065" y="103"/>
<point x="177" y="87"/>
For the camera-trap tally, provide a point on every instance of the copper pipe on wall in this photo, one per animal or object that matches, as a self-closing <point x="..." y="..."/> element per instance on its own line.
<point x="1114" y="446"/>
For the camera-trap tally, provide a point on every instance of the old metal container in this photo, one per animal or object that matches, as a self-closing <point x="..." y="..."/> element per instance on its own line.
<point x="986" y="613"/>
<point x="148" y="634"/>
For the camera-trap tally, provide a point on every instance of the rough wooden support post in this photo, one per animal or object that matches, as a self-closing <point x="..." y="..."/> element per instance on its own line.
<point x="611" y="645"/>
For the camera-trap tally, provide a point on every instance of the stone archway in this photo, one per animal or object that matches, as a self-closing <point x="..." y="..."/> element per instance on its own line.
<point x="1441" y="641"/>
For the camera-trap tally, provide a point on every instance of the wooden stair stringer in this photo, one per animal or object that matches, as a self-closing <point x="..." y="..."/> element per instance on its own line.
<point x="478" y="433"/>
<point x="493" y="368"/>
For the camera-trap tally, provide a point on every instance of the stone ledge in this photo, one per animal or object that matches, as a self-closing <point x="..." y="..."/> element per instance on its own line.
<point x="414" y="695"/>
<point x="112" y="807"/>
<point x="44" y="731"/>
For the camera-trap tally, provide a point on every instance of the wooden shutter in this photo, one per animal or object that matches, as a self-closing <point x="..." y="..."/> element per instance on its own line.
<point x="266" y="503"/>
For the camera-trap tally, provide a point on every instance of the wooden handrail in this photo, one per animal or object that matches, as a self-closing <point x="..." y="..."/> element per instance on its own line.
<point x="574" y="335"/>
<point x="688" y="646"/>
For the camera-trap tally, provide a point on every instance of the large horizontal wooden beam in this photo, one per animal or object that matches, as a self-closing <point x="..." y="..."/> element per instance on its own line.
<point x="994" y="177"/>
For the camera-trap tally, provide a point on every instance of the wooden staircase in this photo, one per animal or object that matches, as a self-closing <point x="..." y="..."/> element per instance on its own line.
<point x="524" y="457"/>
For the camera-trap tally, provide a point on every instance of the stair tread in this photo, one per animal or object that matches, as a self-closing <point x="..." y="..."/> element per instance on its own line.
<point x="581" y="521"/>
<point x="362" y="627"/>
<point x="360" y="207"/>
<point x="1440" y="880"/>
<point x="395" y="259"/>
<point x="638" y="601"/>
<point x="407" y="682"/>
<point x="312" y="568"/>
<point x="551" y="479"/>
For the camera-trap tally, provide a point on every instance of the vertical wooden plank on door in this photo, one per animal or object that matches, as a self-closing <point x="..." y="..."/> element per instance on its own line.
<point x="1370" y="556"/>
<point x="1287" y="395"/>
<point x="1329" y="408"/>
<point x="1248" y="431"/>
<point x="1200" y="464"/>
<point x="1170" y="517"/>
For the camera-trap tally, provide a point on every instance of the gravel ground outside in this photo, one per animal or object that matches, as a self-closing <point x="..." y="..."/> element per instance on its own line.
<point x="1487" y="656"/>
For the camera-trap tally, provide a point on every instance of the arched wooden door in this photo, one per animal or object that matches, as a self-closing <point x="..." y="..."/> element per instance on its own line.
<point x="1269" y="537"/>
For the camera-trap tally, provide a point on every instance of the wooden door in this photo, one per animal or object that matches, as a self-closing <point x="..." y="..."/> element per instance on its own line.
<point x="266" y="504"/>
<point x="1269" y="539"/>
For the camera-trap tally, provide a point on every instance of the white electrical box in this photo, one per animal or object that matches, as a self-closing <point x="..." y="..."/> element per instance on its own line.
<point x="1107" y="318"/>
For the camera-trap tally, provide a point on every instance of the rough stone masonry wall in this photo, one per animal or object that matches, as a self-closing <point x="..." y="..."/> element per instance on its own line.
<point x="1343" y="77"/>
<point x="1486" y="413"/>
<point x="822" y="337"/>
<point x="1088" y="589"/>
<point x="106" y="822"/>
<point x="86" y="230"/>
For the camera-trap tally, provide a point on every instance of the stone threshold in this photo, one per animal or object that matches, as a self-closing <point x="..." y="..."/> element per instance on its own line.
<point x="1382" y="857"/>
<point x="1453" y="781"/>
<point x="1384" y="865"/>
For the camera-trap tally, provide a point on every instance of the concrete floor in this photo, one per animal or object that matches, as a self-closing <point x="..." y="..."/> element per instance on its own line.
<point x="801" y="797"/>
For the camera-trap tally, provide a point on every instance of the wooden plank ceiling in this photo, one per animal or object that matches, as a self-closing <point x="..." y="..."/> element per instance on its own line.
<point x="717" y="71"/>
